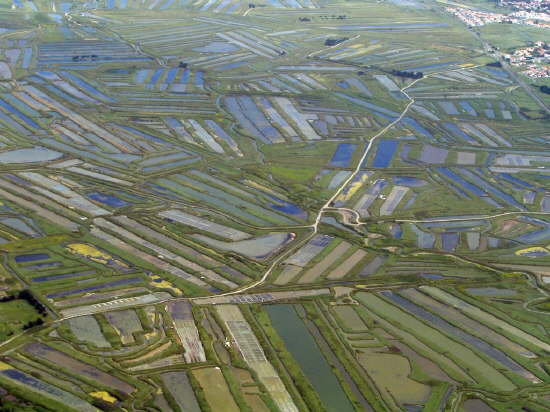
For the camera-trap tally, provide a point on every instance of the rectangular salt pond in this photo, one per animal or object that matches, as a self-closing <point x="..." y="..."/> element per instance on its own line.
<point x="44" y="389"/>
<point x="460" y="181"/>
<point x="261" y="247"/>
<point x="115" y="283"/>
<point x="231" y="186"/>
<point x="516" y="182"/>
<point x="165" y="158"/>
<point x="434" y="155"/>
<point x="136" y="132"/>
<point x="23" y="225"/>
<point x="491" y="291"/>
<point x="24" y="118"/>
<point x="458" y="132"/>
<point x="318" y="68"/>
<point x="417" y="127"/>
<point x="163" y="166"/>
<point x="432" y="66"/>
<point x="21" y="101"/>
<point x="392" y="201"/>
<point x="338" y="179"/>
<point x="78" y="367"/>
<point x="397" y="27"/>
<point x="424" y="240"/>
<point x="154" y="78"/>
<point x="494" y="72"/>
<point x="86" y="86"/>
<point x="459" y="334"/>
<point x="381" y="111"/>
<point x="199" y="80"/>
<point x="408" y="181"/>
<point x="309" y="251"/>
<point x="466" y="158"/>
<point x="448" y="107"/>
<point x="481" y="182"/>
<point x="449" y="241"/>
<point x="43" y="265"/>
<point x="31" y="257"/>
<point x="473" y="240"/>
<point x="141" y="75"/>
<point x="223" y="135"/>
<point x="489" y="113"/>
<point x="467" y="107"/>
<point x="225" y="199"/>
<point x="343" y="155"/>
<point x="254" y="122"/>
<point x="506" y="114"/>
<point x="65" y="7"/>
<point x="177" y="383"/>
<point x="359" y="85"/>
<point x="304" y="349"/>
<point x="372" y="267"/>
<point x="385" y="152"/>
<point x="107" y="199"/>
<point x="177" y="188"/>
<point x="166" y="5"/>
<point x="87" y="329"/>
<point x="203" y="135"/>
<point x="204" y="224"/>
<point x="387" y="83"/>
<point x="62" y="276"/>
<point x="27" y="58"/>
<point x="286" y="207"/>
<point x="230" y="66"/>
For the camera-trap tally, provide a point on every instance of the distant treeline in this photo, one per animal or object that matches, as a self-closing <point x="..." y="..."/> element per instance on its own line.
<point x="334" y="42"/>
<point x="410" y="75"/>
<point x="33" y="323"/>
<point x="31" y="300"/>
<point x="91" y="57"/>
<point x="28" y="296"/>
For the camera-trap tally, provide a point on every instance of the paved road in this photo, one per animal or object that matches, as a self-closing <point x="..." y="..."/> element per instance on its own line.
<point x="528" y="89"/>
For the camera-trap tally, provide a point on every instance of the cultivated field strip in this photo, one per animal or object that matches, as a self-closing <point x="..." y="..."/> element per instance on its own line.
<point x="182" y="316"/>
<point x="254" y="356"/>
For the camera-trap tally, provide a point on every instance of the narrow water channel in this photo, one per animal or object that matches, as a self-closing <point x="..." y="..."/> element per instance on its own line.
<point x="303" y="347"/>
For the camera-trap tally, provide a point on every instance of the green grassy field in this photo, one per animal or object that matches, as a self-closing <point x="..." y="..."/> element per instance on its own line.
<point x="13" y="316"/>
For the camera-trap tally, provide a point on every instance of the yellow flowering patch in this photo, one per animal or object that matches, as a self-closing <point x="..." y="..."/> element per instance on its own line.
<point x="104" y="396"/>
<point x="368" y="49"/>
<point x="88" y="250"/>
<point x="4" y="366"/>
<point x="261" y="187"/>
<point x="353" y="188"/>
<point x="160" y="283"/>
<point x="150" y="335"/>
<point x="535" y="249"/>
<point x="94" y="254"/>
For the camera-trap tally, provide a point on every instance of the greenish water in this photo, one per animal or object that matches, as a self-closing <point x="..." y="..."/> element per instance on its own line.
<point x="491" y="291"/>
<point x="304" y="349"/>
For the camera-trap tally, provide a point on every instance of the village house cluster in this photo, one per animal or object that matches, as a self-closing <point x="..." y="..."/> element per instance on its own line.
<point x="535" y="71"/>
<point x="536" y="58"/>
<point x="479" y="18"/>
<point x="540" y="6"/>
